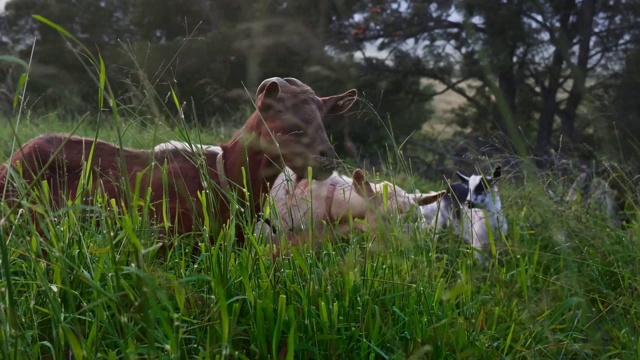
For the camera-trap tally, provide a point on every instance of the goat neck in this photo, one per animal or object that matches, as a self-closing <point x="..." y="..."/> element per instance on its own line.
<point x="456" y="196"/>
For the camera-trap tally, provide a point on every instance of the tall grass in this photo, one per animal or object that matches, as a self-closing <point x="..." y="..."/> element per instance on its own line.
<point x="562" y="286"/>
<point x="564" y="283"/>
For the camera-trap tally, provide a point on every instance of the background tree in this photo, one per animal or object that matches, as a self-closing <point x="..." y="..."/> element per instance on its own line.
<point x="524" y="68"/>
<point x="207" y="52"/>
<point x="518" y="50"/>
<point x="58" y="81"/>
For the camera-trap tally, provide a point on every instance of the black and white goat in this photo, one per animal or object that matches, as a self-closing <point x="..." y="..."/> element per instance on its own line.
<point x="473" y="208"/>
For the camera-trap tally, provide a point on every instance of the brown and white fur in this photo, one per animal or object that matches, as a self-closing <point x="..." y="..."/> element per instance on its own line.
<point x="302" y="208"/>
<point x="286" y="130"/>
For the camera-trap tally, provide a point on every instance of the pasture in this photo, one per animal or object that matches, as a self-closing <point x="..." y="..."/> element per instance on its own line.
<point x="563" y="284"/>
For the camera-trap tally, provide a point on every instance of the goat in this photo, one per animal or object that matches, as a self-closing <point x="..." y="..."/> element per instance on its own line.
<point x="400" y="201"/>
<point x="338" y="201"/>
<point x="479" y="219"/>
<point x="286" y="130"/>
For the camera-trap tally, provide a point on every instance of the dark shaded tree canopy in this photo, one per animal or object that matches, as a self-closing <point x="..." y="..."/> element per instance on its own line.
<point x="535" y="63"/>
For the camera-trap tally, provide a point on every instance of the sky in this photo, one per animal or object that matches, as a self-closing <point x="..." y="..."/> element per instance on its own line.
<point x="2" y="2"/>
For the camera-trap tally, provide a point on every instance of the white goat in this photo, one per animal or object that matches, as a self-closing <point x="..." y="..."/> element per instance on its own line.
<point x="399" y="201"/>
<point x="339" y="201"/>
<point x="480" y="218"/>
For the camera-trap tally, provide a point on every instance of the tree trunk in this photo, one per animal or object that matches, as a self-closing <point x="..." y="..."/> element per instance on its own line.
<point x="549" y="106"/>
<point x="579" y="71"/>
<point x="503" y="27"/>
<point x="507" y="84"/>
<point x="549" y="92"/>
<point x="545" y="124"/>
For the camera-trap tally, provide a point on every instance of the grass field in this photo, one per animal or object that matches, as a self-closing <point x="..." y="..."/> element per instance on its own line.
<point x="564" y="284"/>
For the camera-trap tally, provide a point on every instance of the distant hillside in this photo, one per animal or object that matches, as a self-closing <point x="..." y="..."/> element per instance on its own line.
<point x="443" y="105"/>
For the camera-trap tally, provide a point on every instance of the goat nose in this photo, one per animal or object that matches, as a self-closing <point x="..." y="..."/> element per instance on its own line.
<point x="325" y="153"/>
<point x="327" y="158"/>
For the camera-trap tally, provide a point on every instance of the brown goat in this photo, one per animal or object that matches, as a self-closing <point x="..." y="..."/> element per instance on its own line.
<point x="287" y="129"/>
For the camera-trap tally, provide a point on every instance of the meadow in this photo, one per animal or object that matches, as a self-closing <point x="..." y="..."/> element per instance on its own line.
<point x="563" y="282"/>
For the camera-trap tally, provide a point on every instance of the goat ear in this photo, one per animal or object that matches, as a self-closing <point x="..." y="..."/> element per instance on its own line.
<point x="338" y="104"/>
<point x="497" y="172"/>
<point x="270" y="92"/>
<point x="462" y="176"/>
<point x="264" y="84"/>
<point x="362" y="186"/>
<point x="357" y="176"/>
<point x="430" y="198"/>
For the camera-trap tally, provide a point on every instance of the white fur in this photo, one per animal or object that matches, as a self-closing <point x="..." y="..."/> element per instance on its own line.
<point x="475" y="225"/>
<point x="401" y="202"/>
<point x="489" y="201"/>
<point x="301" y="209"/>
<point x="301" y="206"/>
<point x="437" y="214"/>
<point x="186" y="146"/>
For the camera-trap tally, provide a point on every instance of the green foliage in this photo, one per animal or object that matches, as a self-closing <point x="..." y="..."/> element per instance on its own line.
<point x="393" y="107"/>
<point x="563" y="286"/>
<point x="564" y="283"/>
<point x="210" y="54"/>
<point x="610" y="118"/>
<point x="521" y="57"/>
<point x="531" y="63"/>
